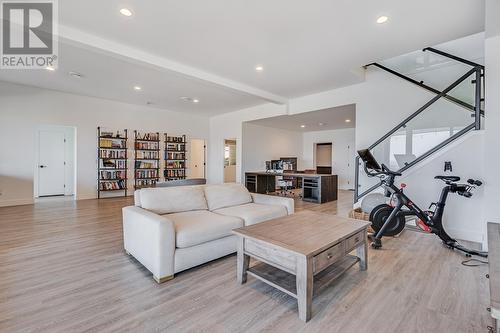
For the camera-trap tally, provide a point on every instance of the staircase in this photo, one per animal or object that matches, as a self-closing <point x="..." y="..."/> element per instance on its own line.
<point x="456" y="109"/>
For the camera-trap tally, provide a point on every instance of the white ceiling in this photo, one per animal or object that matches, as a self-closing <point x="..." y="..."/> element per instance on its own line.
<point x="331" y="119"/>
<point x="209" y="49"/>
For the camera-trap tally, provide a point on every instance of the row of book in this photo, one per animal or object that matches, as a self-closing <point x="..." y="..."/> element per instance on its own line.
<point x="112" y="185"/>
<point x="147" y="154"/>
<point x="169" y="164"/>
<point x="112" y="143"/>
<point x="175" y="147"/>
<point x="109" y="134"/>
<point x="146" y="174"/>
<point x="176" y="139"/>
<point x="147" y="136"/>
<point x="174" y="173"/>
<point x="175" y="156"/>
<point x="108" y="153"/>
<point x="145" y="183"/>
<point x="113" y="175"/>
<point x="146" y="165"/>
<point x="147" y="145"/>
<point x="113" y="164"/>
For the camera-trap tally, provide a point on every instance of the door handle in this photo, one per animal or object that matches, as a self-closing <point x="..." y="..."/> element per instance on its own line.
<point x="43" y="166"/>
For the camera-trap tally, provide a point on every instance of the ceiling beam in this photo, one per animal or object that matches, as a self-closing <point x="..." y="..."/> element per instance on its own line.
<point x="82" y="39"/>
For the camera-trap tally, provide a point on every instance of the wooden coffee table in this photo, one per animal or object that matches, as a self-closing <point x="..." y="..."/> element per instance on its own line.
<point x="301" y="253"/>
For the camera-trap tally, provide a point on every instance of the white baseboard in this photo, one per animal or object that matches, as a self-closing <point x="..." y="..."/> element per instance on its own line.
<point x="16" y="202"/>
<point x="468" y="235"/>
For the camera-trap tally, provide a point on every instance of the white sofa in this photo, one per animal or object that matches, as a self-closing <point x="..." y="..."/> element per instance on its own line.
<point x="172" y="229"/>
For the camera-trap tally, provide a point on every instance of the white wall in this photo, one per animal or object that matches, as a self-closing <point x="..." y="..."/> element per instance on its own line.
<point x="382" y="101"/>
<point x="492" y="127"/>
<point x="24" y="108"/>
<point x="261" y="144"/>
<point x="343" y="153"/>
<point x="229" y="125"/>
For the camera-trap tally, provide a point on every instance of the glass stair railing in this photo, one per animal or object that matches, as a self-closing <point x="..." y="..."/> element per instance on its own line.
<point x="455" y="110"/>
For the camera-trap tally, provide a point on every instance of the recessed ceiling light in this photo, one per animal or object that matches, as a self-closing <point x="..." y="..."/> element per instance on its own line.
<point x="50" y="68"/>
<point x="302" y="126"/>
<point x="76" y="75"/>
<point x="382" y="19"/>
<point x="189" y="99"/>
<point x="259" y="68"/>
<point x="137" y="88"/>
<point x="126" y="12"/>
<point x="321" y="124"/>
<point x="348" y="120"/>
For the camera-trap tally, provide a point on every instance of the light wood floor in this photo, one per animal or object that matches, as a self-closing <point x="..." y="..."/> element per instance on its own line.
<point x="63" y="269"/>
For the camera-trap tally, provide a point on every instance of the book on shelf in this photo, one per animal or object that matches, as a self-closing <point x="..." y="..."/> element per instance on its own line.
<point x="111" y="134"/>
<point x="154" y="155"/>
<point x="108" y="153"/>
<point x="112" y="185"/>
<point x="112" y="143"/>
<point x="174" y="164"/>
<point x="176" y="138"/>
<point x="145" y="145"/>
<point x="147" y="136"/>
<point x="176" y="155"/>
<point x="112" y="164"/>
<point x="147" y="164"/>
<point x="176" y="173"/>
<point x="146" y="173"/>
<point x="145" y="183"/>
<point x="181" y="147"/>
<point x="112" y="175"/>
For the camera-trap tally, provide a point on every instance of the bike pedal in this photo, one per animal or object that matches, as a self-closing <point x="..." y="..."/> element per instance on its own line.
<point x="422" y="226"/>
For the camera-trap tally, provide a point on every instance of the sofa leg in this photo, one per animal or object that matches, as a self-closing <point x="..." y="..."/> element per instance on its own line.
<point x="163" y="279"/>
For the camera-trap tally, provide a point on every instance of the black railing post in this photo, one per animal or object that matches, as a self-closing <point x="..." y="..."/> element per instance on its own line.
<point x="478" y="97"/>
<point x="356" y="179"/>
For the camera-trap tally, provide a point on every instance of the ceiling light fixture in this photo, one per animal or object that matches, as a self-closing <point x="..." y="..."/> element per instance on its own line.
<point x="137" y="88"/>
<point x="302" y="126"/>
<point x="50" y="68"/>
<point x="76" y="75"/>
<point x="348" y="120"/>
<point x="259" y="68"/>
<point x="321" y="124"/>
<point x="189" y="99"/>
<point x="382" y="19"/>
<point x="126" y="12"/>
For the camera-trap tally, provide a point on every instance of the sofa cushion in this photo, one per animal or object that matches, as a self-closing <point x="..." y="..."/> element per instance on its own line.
<point x="173" y="199"/>
<point x="196" y="227"/>
<point x="226" y="195"/>
<point x="254" y="213"/>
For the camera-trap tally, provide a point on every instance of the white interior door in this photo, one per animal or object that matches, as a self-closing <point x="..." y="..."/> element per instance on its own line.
<point x="229" y="161"/>
<point x="51" y="163"/>
<point x="197" y="159"/>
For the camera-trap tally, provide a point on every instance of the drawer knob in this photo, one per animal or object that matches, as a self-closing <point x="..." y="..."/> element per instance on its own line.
<point x="356" y="239"/>
<point x="329" y="256"/>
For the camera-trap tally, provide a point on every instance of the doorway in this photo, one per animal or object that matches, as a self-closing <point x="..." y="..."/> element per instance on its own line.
<point x="324" y="153"/>
<point x="229" y="160"/>
<point x="197" y="164"/>
<point x="55" y="161"/>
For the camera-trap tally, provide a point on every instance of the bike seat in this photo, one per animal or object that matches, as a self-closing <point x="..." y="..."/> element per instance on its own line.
<point x="448" y="178"/>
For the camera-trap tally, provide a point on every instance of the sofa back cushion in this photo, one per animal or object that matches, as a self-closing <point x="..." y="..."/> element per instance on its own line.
<point x="226" y="195"/>
<point x="173" y="199"/>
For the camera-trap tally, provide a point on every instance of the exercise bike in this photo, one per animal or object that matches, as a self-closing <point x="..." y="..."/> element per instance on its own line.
<point x="390" y="220"/>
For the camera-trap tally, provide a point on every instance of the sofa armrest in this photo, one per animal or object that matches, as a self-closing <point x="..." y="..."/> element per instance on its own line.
<point x="274" y="200"/>
<point x="150" y="238"/>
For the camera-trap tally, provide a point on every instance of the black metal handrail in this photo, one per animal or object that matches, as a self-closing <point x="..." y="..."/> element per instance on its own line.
<point x="479" y="73"/>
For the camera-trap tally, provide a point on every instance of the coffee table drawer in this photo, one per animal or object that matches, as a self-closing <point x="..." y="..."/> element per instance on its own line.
<point x="328" y="257"/>
<point x="354" y="241"/>
<point x="270" y="254"/>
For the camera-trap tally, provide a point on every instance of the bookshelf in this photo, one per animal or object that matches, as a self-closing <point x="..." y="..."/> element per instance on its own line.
<point x="175" y="157"/>
<point x="147" y="159"/>
<point x="112" y="162"/>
